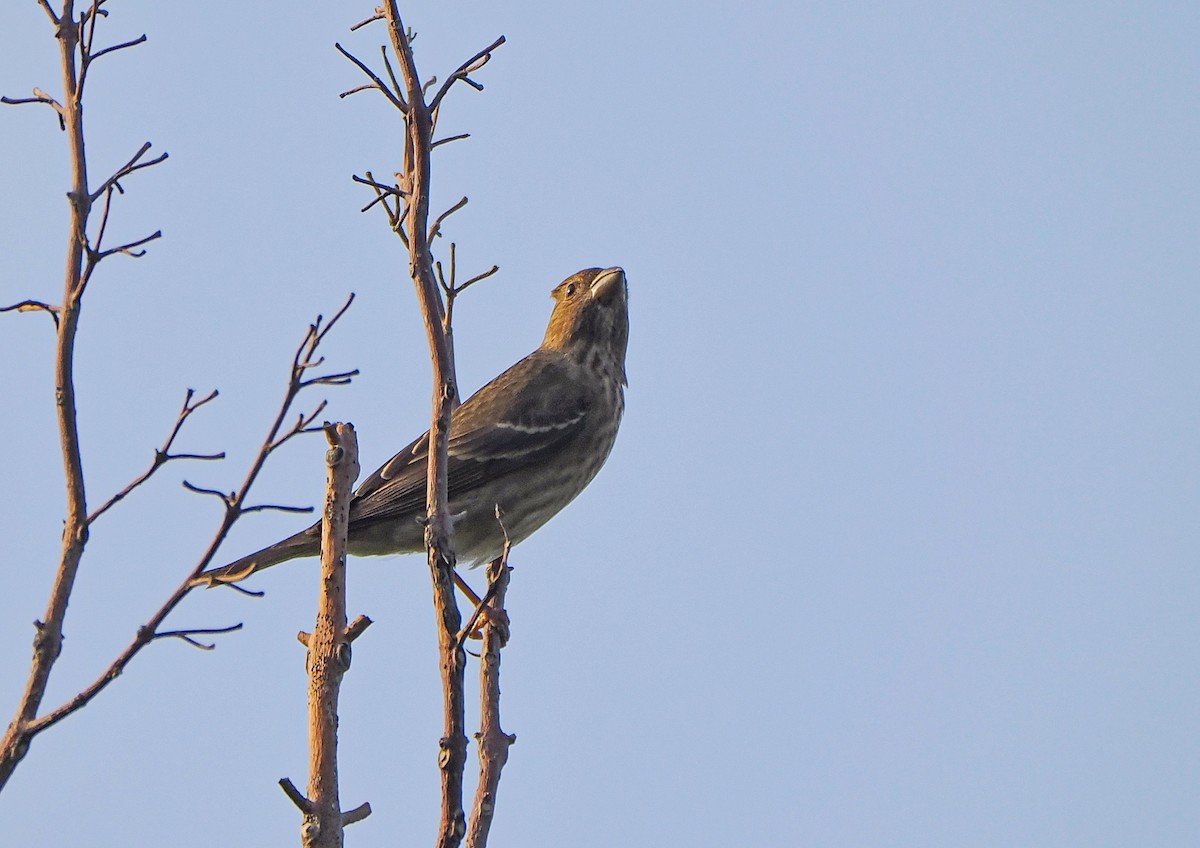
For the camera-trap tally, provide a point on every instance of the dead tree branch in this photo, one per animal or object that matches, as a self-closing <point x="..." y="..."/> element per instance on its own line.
<point x="24" y="728"/>
<point x="493" y="741"/>
<point x="329" y="652"/>
<point x="163" y="455"/>
<point x="409" y="218"/>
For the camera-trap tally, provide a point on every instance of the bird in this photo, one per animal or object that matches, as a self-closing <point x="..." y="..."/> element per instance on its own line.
<point x="527" y="443"/>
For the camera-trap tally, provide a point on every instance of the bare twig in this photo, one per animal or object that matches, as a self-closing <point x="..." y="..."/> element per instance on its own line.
<point x="378" y="16"/>
<point x="40" y="96"/>
<point x="128" y="168"/>
<point x="129" y="248"/>
<point x="277" y="508"/>
<point x="470" y="66"/>
<point x="451" y="289"/>
<point x="436" y="229"/>
<point x="290" y="790"/>
<point x="395" y="96"/>
<point x="163" y="455"/>
<point x="94" y="56"/>
<point x="188" y="635"/>
<point x="449" y="139"/>
<point x="226" y="499"/>
<point x="34" y="306"/>
<point x="357" y="814"/>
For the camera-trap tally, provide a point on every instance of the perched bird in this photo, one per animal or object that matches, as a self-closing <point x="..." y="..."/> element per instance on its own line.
<point x="529" y="442"/>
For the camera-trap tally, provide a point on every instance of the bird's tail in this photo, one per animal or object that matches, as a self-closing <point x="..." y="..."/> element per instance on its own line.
<point x="305" y="543"/>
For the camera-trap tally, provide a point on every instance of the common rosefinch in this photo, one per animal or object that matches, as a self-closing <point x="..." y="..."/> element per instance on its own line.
<point x="529" y="442"/>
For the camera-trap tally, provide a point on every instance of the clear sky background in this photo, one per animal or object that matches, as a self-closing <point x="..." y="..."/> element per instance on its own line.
<point x="898" y="545"/>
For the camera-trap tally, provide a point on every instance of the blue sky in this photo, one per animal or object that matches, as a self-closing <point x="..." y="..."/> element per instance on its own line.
<point x="898" y="544"/>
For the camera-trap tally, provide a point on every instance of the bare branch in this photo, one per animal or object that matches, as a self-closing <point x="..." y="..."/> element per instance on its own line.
<point x="391" y="73"/>
<point x="233" y="511"/>
<point x="378" y="16"/>
<point x="187" y="635"/>
<point x="40" y="96"/>
<point x="378" y="186"/>
<point x="46" y="5"/>
<point x="357" y="814"/>
<point x="436" y="229"/>
<point x="328" y="650"/>
<point x="356" y="627"/>
<point x="471" y="65"/>
<point x="227" y="499"/>
<point x="493" y="741"/>
<point x="34" y="306"/>
<point x="489" y="272"/>
<point x="128" y="249"/>
<point x="449" y="139"/>
<point x="439" y="528"/>
<point x="139" y="40"/>
<point x="277" y="508"/>
<point x="297" y="797"/>
<point x="163" y="455"/>
<point x="128" y="168"/>
<point x="394" y="96"/>
<point x="339" y="379"/>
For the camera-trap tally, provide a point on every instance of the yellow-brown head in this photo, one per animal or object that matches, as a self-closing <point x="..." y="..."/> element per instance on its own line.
<point x="590" y="322"/>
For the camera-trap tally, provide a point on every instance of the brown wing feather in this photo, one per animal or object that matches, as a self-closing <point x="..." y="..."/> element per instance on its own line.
<point x="528" y="409"/>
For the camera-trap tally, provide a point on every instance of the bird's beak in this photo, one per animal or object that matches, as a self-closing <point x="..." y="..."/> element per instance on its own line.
<point x="606" y="282"/>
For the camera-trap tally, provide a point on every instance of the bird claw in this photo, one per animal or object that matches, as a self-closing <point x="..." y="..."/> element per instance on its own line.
<point x="489" y="617"/>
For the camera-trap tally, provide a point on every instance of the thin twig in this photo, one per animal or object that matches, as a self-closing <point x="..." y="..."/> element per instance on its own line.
<point x="128" y="168"/>
<point x="128" y="249"/>
<point x="436" y="229"/>
<point x="449" y="139"/>
<point x="277" y="508"/>
<point x="378" y="16"/>
<point x="40" y="96"/>
<point x="34" y="306"/>
<point x="189" y="634"/>
<point x="163" y="455"/>
<point x="139" y="40"/>
<point x="200" y="490"/>
<point x="394" y="96"/>
<point x="473" y="64"/>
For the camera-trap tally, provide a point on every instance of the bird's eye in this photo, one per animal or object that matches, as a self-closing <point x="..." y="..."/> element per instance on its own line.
<point x="570" y="289"/>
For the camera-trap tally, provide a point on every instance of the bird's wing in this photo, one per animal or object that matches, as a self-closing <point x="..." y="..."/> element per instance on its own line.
<point x="510" y="422"/>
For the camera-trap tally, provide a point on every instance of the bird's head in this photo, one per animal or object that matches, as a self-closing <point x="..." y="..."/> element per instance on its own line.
<point x="590" y="322"/>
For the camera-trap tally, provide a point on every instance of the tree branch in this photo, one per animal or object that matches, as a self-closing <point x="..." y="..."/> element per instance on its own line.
<point x="493" y="741"/>
<point x="163" y="455"/>
<point x="47" y="643"/>
<point x="329" y="647"/>
<point x="439" y="528"/>
<point x="410" y="221"/>
<point x="34" y="306"/>
<point x="22" y="730"/>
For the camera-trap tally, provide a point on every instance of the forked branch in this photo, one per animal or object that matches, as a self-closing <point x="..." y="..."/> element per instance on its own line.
<point x="408" y="216"/>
